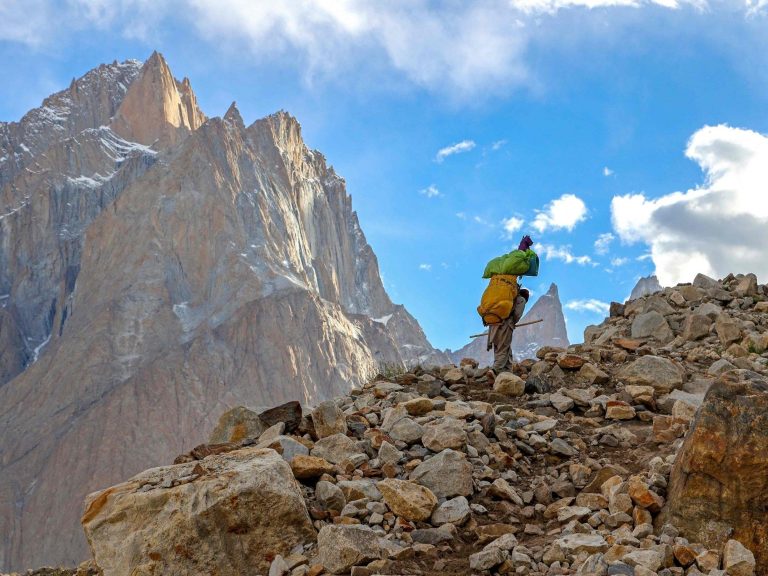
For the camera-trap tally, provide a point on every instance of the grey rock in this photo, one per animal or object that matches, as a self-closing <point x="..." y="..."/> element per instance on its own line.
<point x="330" y="496"/>
<point x="651" y="325"/>
<point x="661" y="373"/>
<point x="447" y="474"/>
<point x="455" y="511"/>
<point x="341" y="547"/>
<point x="335" y="448"/>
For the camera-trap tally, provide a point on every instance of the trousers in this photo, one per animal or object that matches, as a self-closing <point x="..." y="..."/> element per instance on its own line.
<point x="500" y="338"/>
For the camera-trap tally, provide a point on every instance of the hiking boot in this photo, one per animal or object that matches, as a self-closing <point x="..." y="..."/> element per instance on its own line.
<point x="491" y="376"/>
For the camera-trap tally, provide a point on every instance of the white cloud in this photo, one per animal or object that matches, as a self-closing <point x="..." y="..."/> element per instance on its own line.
<point x="426" y="267"/>
<point x="430" y="191"/>
<point x="644" y="257"/>
<point x="589" y="305"/>
<point x="619" y="261"/>
<point x="512" y="225"/>
<point x="461" y="215"/>
<point x="458" y="148"/>
<point x="562" y="253"/>
<point x="501" y="143"/>
<point x="607" y="171"/>
<point x="561" y="213"/>
<point x="717" y="228"/>
<point x="603" y="242"/>
<point x="460" y="49"/>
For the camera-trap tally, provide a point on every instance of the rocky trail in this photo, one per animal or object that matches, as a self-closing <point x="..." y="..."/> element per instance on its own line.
<point x="642" y="451"/>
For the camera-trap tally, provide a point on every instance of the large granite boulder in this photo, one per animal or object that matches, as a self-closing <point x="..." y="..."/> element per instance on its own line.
<point x="227" y="514"/>
<point x="719" y="485"/>
<point x="661" y="373"/>
<point x="237" y="424"/>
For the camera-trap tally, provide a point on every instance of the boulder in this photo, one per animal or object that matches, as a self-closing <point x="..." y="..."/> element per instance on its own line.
<point x="696" y="327"/>
<point x="335" y="449"/>
<point x="287" y="446"/>
<point x="651" y="325"/>
<point x="738" y="560"/>
<point x="330" y="496"/>
<point x="144" y="527"/>
<point x="705" y="282"/>
<point x="444" y="433"/>
<point x="408" y="500"/>
<point x="661" y="373"/>
<point x="455" y="511"/>
<point x="328" y="420"/>
<point x="509" y="384"/>
<point x="288" y="413"/>
<point x="309" y="467"/>
<point x="719" y="481"/>
<point x="447" y="474"/>
<point x="237" y="424"/>
<point x="343" y="546"/>
<point x="728" y="329"/>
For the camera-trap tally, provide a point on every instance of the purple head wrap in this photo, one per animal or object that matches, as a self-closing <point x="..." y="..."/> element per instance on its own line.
<point x="525" y="243"/>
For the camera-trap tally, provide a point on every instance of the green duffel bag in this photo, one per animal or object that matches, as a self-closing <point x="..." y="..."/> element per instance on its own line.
<point x="515" y="263"/>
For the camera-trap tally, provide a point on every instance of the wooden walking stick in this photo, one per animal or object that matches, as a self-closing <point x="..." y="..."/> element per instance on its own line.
<point x="516" y="326"/>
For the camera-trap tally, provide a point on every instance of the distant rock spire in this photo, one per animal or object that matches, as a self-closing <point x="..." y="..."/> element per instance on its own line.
<point x="157" y="108"/>
<point x="233" y="116"/>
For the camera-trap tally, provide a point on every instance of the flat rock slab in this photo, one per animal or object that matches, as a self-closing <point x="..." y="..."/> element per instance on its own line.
<point x="246" y="503"/>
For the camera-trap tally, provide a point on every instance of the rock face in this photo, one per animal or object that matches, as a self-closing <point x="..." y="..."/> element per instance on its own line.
<point x="157" y="268"/>
<point x="645" y="287"/>
<point x="228" y="515"/>
<point x="720" y="478"/>
<point x="551" y="332"/>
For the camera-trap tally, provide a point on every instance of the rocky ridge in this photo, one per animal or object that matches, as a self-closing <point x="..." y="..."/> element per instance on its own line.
<point x="158" y="267"/>
<point x="625" y="455"/>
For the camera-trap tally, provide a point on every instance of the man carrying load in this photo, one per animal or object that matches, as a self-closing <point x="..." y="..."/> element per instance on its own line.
<point x="503" y="301"/>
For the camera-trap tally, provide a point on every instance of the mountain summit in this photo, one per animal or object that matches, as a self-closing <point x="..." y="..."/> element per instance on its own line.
<point x="156" y="268"/>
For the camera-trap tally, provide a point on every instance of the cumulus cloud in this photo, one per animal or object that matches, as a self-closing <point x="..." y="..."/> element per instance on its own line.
<point x="619" y="261"/>
<point x="458" y="148"/>
<point x="589" y="305"/>
<point x="607" y="171"/>
<point x="715" y="228"/>
<point x="430" y="191"/>
<point x="603" y="242"/>
<point x="512" y="225"/>
<point x="561" y="213"/>
<point x="563" y="253"/>
<point x="426" y="267"/>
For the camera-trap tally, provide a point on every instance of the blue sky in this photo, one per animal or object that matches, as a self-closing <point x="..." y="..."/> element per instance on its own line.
<point x="626" y="137"/>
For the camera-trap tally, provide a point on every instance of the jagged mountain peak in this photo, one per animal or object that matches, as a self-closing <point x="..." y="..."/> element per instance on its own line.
<point x="157" y="109"/>
<point x="645" y="286"/>
<point x="233" y="115"/>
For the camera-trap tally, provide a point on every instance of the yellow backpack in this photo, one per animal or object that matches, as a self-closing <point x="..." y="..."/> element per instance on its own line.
<point x="498" y="299"/>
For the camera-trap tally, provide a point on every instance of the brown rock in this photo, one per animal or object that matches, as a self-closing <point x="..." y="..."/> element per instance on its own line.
<point x="684" y="555"/>
<point x="644" y="496"/>
<point x="618" y="410"/>
<point x="237" y="424"/>
<point x="408" y="500"/>
<point x="720" y="477"/>
<point x="628" y="344"/>
<point x="310" y="467"/>
<point x="570" y="362"/>
<point x="668" y="428"/>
